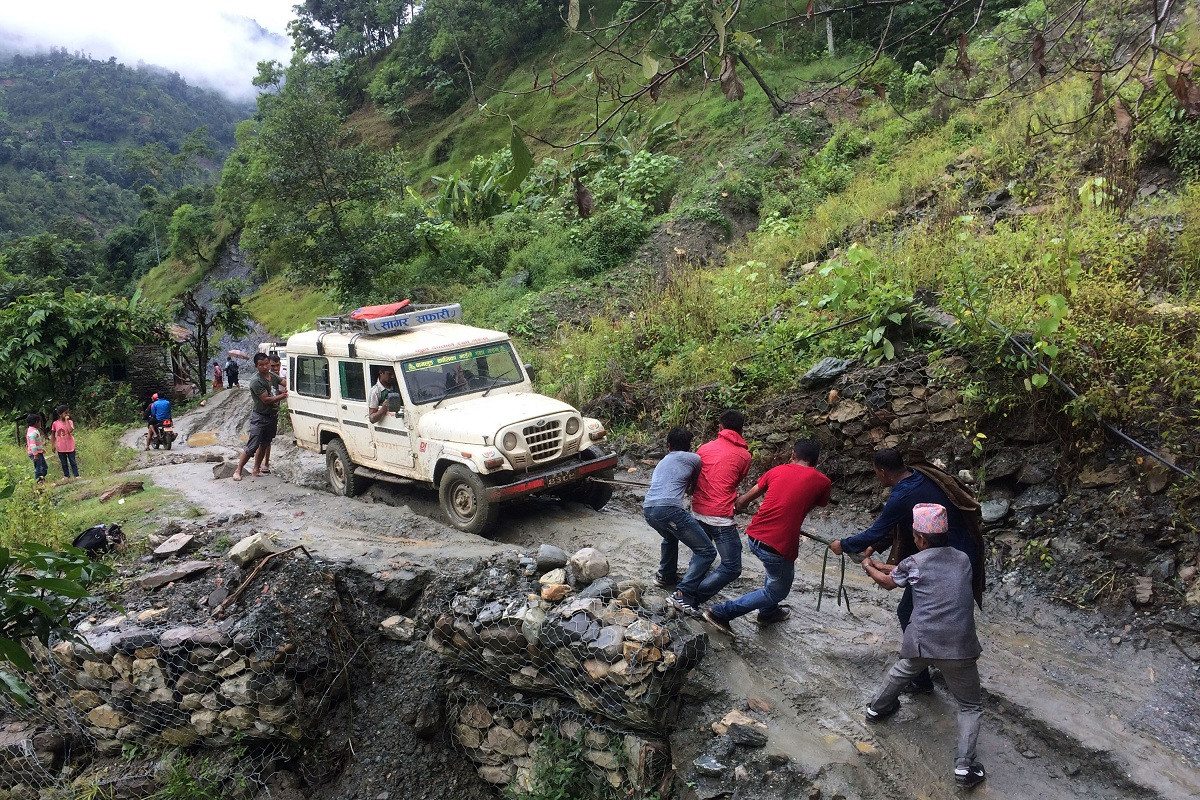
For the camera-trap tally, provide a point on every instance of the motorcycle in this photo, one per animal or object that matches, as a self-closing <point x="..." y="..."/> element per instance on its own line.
<point x="164" y="435"/>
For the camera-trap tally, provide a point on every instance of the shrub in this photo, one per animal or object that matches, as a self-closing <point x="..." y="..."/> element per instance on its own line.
<point x="610" y="237"/>
<point x="105" y="402"/>
<point x="549" y="259"/>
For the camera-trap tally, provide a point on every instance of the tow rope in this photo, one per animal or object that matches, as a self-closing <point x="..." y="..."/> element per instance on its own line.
<point x="842" y="594"/>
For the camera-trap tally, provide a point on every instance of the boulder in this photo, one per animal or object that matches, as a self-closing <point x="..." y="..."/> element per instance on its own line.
<point x="550" y="557"/>
<point x="398" y="628"/>
<point x="1036" y="498"/>
<point x="823" y="372"/>
<point x="551" y="578"/>
<point x="224" y="469"/>
<point x="747" y="735"/>
<point x="604" y="589"/>
<point x="993" y="510"/>
<point x="178" y="572"/>
<point x="174" y="546"/>
<point x="251" y="549"/>
<point x="1098" y="479"/>
<point x="589" y="565"/>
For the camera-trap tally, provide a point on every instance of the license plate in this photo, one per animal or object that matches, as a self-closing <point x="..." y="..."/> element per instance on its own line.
<point x="561" y="477"/>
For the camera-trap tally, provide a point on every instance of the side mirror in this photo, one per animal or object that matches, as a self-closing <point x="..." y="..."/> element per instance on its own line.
<point x="395" y="403"/>
<point x="528" y="370"/>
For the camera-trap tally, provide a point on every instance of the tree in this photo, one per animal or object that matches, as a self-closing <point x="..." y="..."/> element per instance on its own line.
<point x="1118" y="46"/>
<point x="46" y="339"/>
<point x="189" y="229"/>
<point x="314" y="189"/>
<point x="225" y="314"/>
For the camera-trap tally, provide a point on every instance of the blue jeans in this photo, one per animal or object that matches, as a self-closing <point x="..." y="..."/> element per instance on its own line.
<point x="675" y="524"/>
<point x="729" y="547"/>
<point x="780" y="574"/>
<point x="67" y="460"/>
<point x="39" y="466"/>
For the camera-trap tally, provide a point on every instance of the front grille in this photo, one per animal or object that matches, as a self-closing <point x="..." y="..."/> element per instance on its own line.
<point x="545" y="442"/>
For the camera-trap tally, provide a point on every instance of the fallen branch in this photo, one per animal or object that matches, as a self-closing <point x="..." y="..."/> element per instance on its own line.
<point x="228" y="601"/>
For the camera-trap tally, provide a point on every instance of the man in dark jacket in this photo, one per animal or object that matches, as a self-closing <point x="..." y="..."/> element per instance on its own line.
<point x="893" y="527"/>
<point x="941" y="631"/>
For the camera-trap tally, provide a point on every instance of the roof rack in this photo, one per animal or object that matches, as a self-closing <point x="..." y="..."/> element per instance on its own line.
<point x="396" y="323"/>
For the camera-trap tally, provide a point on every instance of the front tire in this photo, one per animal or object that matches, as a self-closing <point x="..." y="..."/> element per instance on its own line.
<point x="340" y="470"/>
<point x="464" y="500"/>
<point x="589" y="492"/>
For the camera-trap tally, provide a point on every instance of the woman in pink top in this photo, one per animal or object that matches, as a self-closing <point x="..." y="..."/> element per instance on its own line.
<point x="64" y="440"/>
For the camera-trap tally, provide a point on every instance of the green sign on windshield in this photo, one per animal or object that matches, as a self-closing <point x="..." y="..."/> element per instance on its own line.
<point x="453" y="358"/>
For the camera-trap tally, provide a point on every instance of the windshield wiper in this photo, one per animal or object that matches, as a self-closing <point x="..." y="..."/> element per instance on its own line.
<point x="495" y="380"/>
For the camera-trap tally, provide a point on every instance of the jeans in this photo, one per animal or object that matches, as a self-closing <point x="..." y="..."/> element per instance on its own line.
<point x="780" y="574"/>
<point x="66" y="460"/>
<point x="962" y="679"/>
<point x="675" y="524"/>
<point x="39" y="466"/>
<point x="729" y="547"/>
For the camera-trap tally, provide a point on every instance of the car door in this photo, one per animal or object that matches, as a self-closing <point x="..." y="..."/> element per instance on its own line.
<point x="391" y="435"/>
<point x="352" y="412"/>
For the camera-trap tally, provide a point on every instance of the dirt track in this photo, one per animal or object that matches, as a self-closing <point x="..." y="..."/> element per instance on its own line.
<point x="1071" y="713"/>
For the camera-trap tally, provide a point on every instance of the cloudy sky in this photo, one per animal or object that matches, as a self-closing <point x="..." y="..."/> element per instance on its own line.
<point x="211" y="43"/>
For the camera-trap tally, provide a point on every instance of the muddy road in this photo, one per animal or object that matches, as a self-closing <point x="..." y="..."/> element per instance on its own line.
<point x="1078" y="705"/>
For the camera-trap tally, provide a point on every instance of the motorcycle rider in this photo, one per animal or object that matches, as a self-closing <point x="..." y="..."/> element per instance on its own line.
<point x="158" y="412"/>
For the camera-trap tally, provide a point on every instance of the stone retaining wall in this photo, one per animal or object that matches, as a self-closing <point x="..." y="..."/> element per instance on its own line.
<point x="604" y="645"/>
<point x="505" y="739"/>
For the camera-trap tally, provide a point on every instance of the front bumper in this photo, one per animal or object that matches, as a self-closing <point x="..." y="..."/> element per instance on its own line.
<point x="549" y="478"/>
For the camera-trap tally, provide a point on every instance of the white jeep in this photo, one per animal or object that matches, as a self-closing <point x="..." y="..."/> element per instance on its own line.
<point x="462" y="416"/>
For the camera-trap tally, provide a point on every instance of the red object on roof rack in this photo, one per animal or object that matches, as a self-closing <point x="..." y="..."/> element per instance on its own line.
<point x="375" y="312"/>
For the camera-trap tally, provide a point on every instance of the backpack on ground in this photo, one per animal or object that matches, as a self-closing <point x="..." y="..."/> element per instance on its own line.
<point x="100" y="539"/>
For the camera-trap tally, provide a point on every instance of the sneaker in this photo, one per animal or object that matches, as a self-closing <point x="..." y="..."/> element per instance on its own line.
<point x="718" y="623"/>
<point x="880" y="714"/>
<point x="663" y="583"/>
<point x="779" y="616"/>
<point x="918" y="687"/>
<point x="970" y="777"/>
<point x="680" y="603"/>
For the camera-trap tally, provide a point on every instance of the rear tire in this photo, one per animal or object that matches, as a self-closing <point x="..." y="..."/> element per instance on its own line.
<point x="464" y="500"/>
<point x="340" y="470"/>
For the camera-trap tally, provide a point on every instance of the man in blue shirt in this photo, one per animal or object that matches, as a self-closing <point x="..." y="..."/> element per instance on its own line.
<point x="665" y="509"/>
<point x="893" y="528"/>
<point x="158" y="410"/>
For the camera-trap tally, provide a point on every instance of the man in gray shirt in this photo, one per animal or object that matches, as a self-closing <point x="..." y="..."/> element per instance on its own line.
<point x="665" y="508"/>
<point x="941" y="632"/>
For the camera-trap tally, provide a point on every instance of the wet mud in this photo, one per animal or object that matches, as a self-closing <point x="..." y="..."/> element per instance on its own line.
<point x="1078" y="705"/>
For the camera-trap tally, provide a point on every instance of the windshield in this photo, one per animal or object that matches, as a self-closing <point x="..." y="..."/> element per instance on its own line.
<point x="462" y="372"/>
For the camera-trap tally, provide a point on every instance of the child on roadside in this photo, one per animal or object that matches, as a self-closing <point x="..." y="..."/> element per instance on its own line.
<point x="34" y="445"/>
<point x="64" y="440"/>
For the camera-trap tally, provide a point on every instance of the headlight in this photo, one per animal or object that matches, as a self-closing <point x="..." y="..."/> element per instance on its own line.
<point x="572" y="426"/>
<point x="510" y="441"/>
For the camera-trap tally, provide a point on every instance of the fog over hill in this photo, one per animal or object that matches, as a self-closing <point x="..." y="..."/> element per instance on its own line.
<point x="216" y="45"/>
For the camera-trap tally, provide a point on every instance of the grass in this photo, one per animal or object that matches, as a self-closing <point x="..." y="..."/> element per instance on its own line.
<point x="58" y="511"/>
<point x="164" y="283"/>
<point x="283" y="310"/>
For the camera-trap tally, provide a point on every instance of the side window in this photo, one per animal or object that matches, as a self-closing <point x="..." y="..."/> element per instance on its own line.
<point x="350" y="380"/>
<point x="312" y="376"/>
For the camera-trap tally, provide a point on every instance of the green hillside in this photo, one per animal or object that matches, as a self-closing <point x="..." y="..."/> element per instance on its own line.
<point x="80" y="137"/>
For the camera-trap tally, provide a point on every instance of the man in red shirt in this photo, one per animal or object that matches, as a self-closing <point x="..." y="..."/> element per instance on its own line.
<point x="724" y="463"/>
<point x="792" y="490"/>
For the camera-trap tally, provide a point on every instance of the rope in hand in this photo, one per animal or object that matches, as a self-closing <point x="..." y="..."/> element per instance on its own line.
<point x="842" y="594"/>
